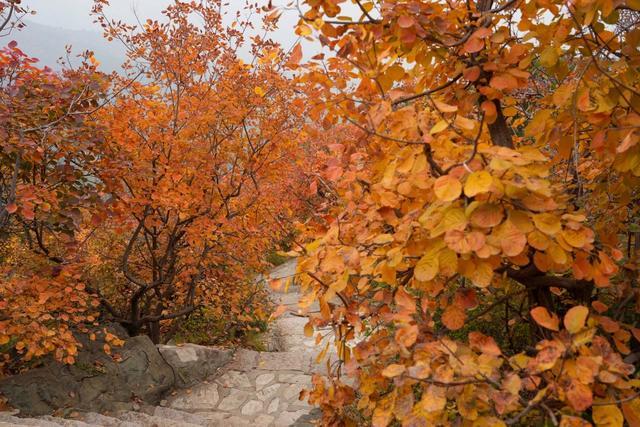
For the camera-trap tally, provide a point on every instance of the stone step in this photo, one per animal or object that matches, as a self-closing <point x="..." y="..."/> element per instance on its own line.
<point x="105" y="421"/>
<point x="180" y="416"/>
<point x="17" y="421"/>
<point x="146" y="420"/>
<point x="66" y="422"/>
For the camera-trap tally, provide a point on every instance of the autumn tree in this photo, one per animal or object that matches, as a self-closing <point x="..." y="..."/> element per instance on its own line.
<point x="200" y="155"/>
<point x="482" y="264"/>
<point x="48" y="153"/>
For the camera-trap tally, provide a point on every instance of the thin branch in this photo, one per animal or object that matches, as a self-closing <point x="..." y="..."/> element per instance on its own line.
<point x="427" y="92"/>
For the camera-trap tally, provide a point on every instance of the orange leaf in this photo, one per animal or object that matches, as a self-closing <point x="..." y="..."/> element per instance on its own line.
<point x="487" y="215"/>
<point x="393" y="370"/>
<point x="279" y="311"/>
<point x="579" y="395"/>
<point x="545" y="319"/>
<point x="473" y="45"/>
<point x="472" y="73"/>
<point x="453" y="318"/>
<point x="503" y="82"/>
<point x="485" y="344"/>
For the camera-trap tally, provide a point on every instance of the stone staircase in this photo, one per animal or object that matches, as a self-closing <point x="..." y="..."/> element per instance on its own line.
<point x="254" y="389"/>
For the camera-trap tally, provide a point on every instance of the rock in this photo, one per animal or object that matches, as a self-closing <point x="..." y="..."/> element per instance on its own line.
<point x="105" y="421"/>
<point x="264" y="379"/>
<point x="273" y="406"/>
<point x="264" y="420"/>
<point x="15" y="421"/>
<point x="194" y="363"/>
<point x="233" y="400"/>
<point x="295" y="379"/>
<point x="234" y="379"/>
<point x="176" y="415"/>
<point x="288" y="418"/>
<point x="150" y="420"/>
<point x="268" y="392"/>
<point x="285" y="361"/>
<point x="252" y="407"/>
<point x="65" y="422"/>
<point x="202" y="398"/>
<point x="96" y="382"/>
<point x="292" y="392"/>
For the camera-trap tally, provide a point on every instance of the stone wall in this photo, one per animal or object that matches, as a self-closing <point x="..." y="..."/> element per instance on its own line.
<point x="98" y="382"/>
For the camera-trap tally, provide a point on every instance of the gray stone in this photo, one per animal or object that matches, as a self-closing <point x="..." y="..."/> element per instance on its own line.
<point x="96" y="382"/>
<point x="177" y="415"/>
<point x="252" y="407"/>
<point x="194" y="363"/>
<point x="295" y="379"/>
<point x="150" y="420"/>
<point x="213" y="416"/>
<point x="234" y="379"/>
<point x="273" y="406"/>
<point x="234" y="400"/>
<point x="285" y="361"/>
<point x="292" y="392"/>
<point x="244" y="360"/>
<point x="65" y="422"/>
<point x="105" y="421"/>
<point x="263" y="420"/>
<point x="204" y="397"/>
<point x="236" y="421"/>
<point x="267" y="393"/>
<point x="288" y="418"/>
<point x="264" y="379"/>
<point x="16" y="421"/>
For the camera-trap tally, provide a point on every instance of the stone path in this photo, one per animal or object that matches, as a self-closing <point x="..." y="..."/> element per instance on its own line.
<point x="254" y="389"/>
<point x="262" y="388"/>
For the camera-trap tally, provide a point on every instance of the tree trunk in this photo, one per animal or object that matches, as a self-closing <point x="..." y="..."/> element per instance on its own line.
<point x="154" y="331"/>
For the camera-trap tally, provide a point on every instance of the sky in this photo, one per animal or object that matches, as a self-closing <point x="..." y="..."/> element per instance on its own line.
<point x="61" y="22"/>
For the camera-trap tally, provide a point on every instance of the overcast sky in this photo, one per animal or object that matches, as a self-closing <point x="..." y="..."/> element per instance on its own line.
<point x="74" y="15"/>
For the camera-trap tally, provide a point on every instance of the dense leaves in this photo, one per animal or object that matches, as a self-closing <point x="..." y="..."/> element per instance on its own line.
<point x="482" y="261"/>
<point x="47" y="155"/>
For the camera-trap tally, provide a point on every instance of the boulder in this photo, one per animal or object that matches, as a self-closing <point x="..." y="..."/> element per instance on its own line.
<point x="193" y="363"/>
<point x="97" y="382"/>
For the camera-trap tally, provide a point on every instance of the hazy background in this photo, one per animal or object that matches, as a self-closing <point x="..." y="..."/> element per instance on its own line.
<point x="67" y="22"/>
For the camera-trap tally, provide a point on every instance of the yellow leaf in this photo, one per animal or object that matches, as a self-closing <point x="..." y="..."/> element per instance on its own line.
<point x="575" y="318"/>
<point x="549" y="57"/>
<point x="607" y="416"/>
<point x="439" y="127"/>
<point x="478" y="182"/>
<point x="631" y="412"/>
<point x="427" y="268"/>
<point x="447" y="188"/>
<point x="259" y="91"/>
<point x="547" y="223"/>
<point x="308" y="330"/>
<point x="381" y="239"/>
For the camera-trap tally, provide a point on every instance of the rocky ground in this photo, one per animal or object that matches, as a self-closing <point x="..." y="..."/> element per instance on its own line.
<point x="254" y="388"/>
